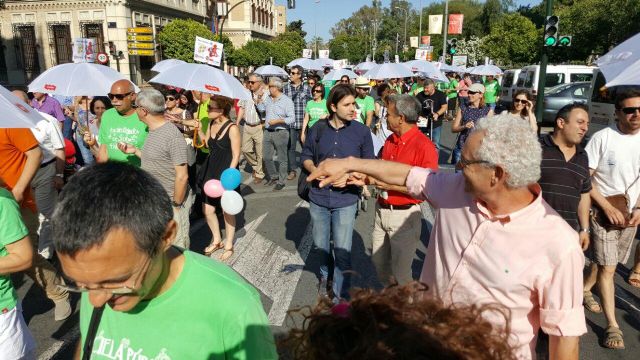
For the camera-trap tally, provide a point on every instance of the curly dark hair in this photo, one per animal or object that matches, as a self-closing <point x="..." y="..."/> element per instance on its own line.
<point x="400" y="322"/>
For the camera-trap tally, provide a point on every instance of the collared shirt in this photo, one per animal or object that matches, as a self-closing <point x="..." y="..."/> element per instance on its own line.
<point x="49" y="106"/>
<point x="353" y="139"/>
<point x="251" y="114"/>
<point x="528" y="261"/>
<point x="299" y="95"/>
<point x="412" y="148"/>
<point x="49" y="136"/>
<point x="279" y="108"/>
<point x="563" y="182"/>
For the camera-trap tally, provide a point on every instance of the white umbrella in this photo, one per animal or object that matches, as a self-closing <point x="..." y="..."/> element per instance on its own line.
<point x="15" y="112"/>
<point x="79" y="79"/>
<point x="270" y="70"/>
<point x="335" y="75"/>
<point x="166" y="64"/>
<point x="203" y="78"/>
<point x="422" y="66"/>
<point x="450" y="68"/>
<point x="485" y="70"/>
<point x="437" y="76"/>
<point x="621" y="66"/>
<point x="365" y="66"/>
<point x="325" y="62"/>
<point x="388" y="71"/>
<point x="306" y="64"/>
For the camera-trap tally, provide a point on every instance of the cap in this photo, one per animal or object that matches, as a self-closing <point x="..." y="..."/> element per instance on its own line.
<point x="475" y="87"/>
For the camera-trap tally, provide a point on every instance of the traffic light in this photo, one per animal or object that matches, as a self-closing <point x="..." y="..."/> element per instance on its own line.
<point x="564" y="40"/>
<point x="451" y="48"/>
<point x="291" y="4"/>
<point x="551" y="30"/>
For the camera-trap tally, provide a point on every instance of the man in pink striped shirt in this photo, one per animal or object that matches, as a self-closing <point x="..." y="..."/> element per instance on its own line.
<point x="495" y="240"/>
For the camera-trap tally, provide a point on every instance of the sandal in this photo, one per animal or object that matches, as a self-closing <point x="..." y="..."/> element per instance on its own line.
<point x="634" y="279"/>
<point x="213" y="248"/>
<point x="224" y="255"/>
<point x="590" y="303"/>
<point x="613" y="335"/>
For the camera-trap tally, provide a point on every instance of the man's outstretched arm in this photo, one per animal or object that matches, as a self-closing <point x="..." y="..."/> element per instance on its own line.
<point x="332" y="170"/>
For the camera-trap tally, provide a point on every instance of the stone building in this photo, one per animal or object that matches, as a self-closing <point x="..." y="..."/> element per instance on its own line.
<point x="281" y="19"/>
<point x="250" y="19"/>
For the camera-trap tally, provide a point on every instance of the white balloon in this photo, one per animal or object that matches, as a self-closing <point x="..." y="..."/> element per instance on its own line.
<point x="231" y="202"/>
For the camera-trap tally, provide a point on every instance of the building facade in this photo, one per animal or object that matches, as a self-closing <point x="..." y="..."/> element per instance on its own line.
<point x="250" y="19"/>
<point x="37" y="34"/>
<point x="281" y="19"/>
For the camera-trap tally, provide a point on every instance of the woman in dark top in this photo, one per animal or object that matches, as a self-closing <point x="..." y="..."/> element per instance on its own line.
<point x="223" y="140"/>
<point x="466" y="118"/>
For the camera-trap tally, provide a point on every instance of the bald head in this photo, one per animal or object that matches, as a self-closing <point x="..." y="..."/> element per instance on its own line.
<point x="122" y="86"/>
<point x="122" y="96"/>
<point x="21" y="95"/>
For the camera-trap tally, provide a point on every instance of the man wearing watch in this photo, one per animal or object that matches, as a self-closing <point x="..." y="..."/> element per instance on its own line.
<point x="165" y="156"/>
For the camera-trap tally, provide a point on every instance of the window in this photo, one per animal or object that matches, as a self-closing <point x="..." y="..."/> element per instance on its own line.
<point x="26" y="50"/>
<point x="60" y="43"/>
<point x="507" y="81"/>
<point x="93" y="31"/>
<point x="528" y="79"/>
<point x="553" y="79"/>
<point x="580" y="92"/>
<point x="602" y="94"/>
<point x="521" y="79"/>
<point x="4" y="75"/>
<point x="580" y="77"/>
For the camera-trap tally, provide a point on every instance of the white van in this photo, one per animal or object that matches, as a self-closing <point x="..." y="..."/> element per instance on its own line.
<point x="602" y="103"/>
<point x="556" y="75"/>
<point x="508" y="86"/>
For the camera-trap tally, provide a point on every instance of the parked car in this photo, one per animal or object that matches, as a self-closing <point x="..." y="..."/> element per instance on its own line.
<point x="563" y="94"/>
<point x="556" y="75"/>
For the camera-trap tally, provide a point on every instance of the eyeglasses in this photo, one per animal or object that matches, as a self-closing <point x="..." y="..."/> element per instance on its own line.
<point x="251" y="82"/>
<point x="214" y="108"/>
<point x="474" y="92"/>
<point x="464" y="163"/>
<point x="630" y="110"/>
<point x="118" y="96"/>
<point x="170" y="98"/>
<point x="295" y="73"/>
<point x="318" y="91"/>
<point x="138" y="279"/>
<point x="521" y="101"/>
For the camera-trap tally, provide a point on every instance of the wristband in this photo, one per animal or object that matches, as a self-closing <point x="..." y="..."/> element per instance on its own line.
<point x="60" y="176"/>
<point x="586" y="230"/>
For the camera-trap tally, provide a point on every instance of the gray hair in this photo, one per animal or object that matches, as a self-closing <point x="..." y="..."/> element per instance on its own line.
<point x="407" y="106"/>
<point x="429" y="81"/>
<point x="510" y="143"/>
<point x="274" y="81"/>
<point x="152" y="100"/>
<point x="257" y="76"/>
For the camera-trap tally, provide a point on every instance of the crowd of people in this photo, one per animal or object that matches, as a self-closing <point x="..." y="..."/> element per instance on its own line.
<point x="506" y="252"/>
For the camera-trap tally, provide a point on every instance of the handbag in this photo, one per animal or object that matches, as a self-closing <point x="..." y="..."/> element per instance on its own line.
<point x="618" y="201"/>
<point x="304" y="187"/>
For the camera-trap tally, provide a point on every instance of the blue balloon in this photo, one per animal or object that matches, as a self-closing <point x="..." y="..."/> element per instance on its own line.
<point x="230" y="179"/>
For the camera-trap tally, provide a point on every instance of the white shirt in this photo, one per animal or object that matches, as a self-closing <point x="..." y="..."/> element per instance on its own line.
<point x="615" y="157"/>
<point x="49" y="136"/>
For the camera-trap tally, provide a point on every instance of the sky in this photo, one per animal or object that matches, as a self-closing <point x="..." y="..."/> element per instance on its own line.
<point x="319" y="16"/>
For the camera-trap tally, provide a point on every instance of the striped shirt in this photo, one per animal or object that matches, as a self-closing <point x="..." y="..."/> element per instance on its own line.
<point x="563" y="182"/>
<point x="300" y="95"/>
<point x="278" y="108"/>
<point x="163" y="150"/>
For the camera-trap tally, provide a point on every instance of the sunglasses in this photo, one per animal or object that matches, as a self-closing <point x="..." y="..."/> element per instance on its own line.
<point x="170" y="98"/>
<point x="295" y="73"/>
<point x="118" y="96"/>
<point x="630" y="110"/>
<point x="318" y="91"/>
<point x="252" y="82"/>
<point x="521" y="101"/>
<point x="214" y="108"/>
<point x="474" y="92"/>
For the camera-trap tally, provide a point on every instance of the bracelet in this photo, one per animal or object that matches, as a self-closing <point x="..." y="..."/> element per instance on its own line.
<point x="586" y="230"/>
<point x="60" y="176"/>
<point x="175" y="204"/>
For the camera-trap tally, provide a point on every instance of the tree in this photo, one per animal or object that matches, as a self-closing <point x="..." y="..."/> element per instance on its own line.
<point x="491" y="12"/>
<point x="514" y="39"/>
<point x="297" y="27"/>
<point x="286" y="47"/>
<point x="253" y="53"/>
<point x="177" y="39"/>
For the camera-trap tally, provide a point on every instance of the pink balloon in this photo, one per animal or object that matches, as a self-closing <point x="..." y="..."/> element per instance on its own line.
<point x="213" y="188"/>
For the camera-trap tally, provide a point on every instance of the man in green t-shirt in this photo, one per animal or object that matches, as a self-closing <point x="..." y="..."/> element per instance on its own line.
<point x="16" y="254"/>
<point x="121" y="125"/>
<point x="452" y="94"/>
<point x="159" y="301"/>
<point x="365" y="104"/>
<point x="492" y="92"/>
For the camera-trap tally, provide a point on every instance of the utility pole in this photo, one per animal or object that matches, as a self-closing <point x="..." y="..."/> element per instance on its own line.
<point x="445" y="30"/>
<point x="420" y="31"/>
<point x="544" y="59"/>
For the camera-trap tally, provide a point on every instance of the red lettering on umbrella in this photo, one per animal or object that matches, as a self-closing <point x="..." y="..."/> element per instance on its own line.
<point x="211" y="87"/>
<point x="21" y="107"/>
<point x="50" y="87"/>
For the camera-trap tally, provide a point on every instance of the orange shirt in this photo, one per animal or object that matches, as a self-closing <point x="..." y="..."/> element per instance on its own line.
<point x="13" y="145"/>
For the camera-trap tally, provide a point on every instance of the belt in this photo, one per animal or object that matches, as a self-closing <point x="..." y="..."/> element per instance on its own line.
<point x="47" y="163"/>
<point x="396" y="207"/>
<point x="273" y="130"/>
<point x="253" y="125"/>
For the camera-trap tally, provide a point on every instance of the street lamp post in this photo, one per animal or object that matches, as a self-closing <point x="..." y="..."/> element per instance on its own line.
<point x="404" y="40"/>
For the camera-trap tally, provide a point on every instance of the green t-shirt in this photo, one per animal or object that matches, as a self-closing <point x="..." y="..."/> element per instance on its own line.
<point x="12" y="229"/>
<point x="203" y="116"/>
<point x="210" y="312"/>
<point x="491" y="91"/>
<point x="328" y="84"/>
<point x="442" y="86"/>
<point x="316" y="110"/>
<point x="364" y="105"/>
<point x="452" y="93"/>
<point x="116" y="128"/>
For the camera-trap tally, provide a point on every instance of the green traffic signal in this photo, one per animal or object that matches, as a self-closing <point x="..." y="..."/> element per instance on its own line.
<point x="564" y="40"/>
<point x="550" y="41"/>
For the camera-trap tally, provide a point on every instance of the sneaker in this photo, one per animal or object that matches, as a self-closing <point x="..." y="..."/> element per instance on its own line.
<point x="322" y="288"/>
<point x="62" y="309"/>
<point x="278" y="187"/>
<point x="292" y="175"/>
<point x="271" y="182"/>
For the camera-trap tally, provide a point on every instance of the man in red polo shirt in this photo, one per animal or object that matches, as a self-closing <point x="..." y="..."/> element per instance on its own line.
<point x="398" y="219"/>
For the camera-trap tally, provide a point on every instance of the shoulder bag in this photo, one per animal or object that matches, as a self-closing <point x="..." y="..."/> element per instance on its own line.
<point x="618" y="201"/>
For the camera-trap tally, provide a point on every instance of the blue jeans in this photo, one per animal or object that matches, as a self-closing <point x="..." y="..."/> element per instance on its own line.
<point x="435" y="138"/>
<point x="456" y="154"/>
<point x="339" y="223"/>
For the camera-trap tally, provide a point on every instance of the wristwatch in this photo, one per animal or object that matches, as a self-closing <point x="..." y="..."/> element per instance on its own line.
<point x="587" y="230"/>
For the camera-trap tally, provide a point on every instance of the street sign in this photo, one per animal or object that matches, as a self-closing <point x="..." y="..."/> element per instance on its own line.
<point x="102" y="58"/>
<point x="426" y="47"/>
<point x="140" y="30"/>
<point x="141" y="45"/>
<point x="142" y="52"/>
<point x="139" y="37"/>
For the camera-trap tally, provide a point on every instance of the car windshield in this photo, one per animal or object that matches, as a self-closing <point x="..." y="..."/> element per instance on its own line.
<point x="557" y="89"/>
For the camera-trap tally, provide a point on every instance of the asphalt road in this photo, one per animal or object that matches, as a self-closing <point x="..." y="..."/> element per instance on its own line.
<point x="274" y="252"/>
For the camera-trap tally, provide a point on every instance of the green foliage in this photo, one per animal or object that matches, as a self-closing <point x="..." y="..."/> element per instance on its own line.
<point x="514" y="39"/>
<point x="253" y="53"/>
<point x="284" y="48"/>
<point x="177" y="39"/>
<point x="296" y="26"/>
